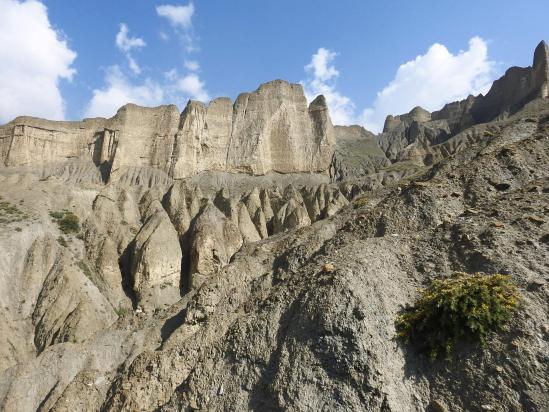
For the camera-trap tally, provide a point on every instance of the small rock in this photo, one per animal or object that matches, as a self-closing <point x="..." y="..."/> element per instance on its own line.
<point x="471" y="212"/>
<point x="328" y="267"/>
<point x="419" y="184"/>
<point x="502" y="186"/>
<point x="487" y="407"/>
<point x="499" y="369"/>
<point x="438" y="406"/>
<point x="498" y="224"/>
<point x="535" y="219"/>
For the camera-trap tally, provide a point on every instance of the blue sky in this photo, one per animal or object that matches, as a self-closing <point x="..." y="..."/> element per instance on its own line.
<point x="371" y="58"/>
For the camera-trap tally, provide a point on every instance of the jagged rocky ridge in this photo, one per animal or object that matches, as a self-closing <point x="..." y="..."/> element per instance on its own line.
<point x="210" y="292"/>
<point x="420" y="138"/>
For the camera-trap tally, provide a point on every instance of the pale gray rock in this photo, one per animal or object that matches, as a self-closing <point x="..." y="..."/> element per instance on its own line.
<point x="269" y="130"/>
<point x="175" y="204"/>
<point x="157" y="256"/>
<point x="215" y="239"/>
<point x="246" y="225"/>
<point x="203" y="138"/>
<point x="255" y="209"/>
<point x="70" y="307"/>
<point x="292" y="215"/>
<point x="274" y="130"/>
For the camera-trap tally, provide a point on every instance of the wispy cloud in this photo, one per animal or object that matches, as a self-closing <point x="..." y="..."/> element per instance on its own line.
<point x="176" y="85"/>
<point x="31" y="62"/>
<point x="180" y="17"/>
<point x="126" y="44"/>
<point x="192" y="65"/>
<point x="119" y="90"/>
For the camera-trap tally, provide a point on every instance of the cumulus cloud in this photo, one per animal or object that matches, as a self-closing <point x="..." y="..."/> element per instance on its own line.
<point x="321" y="79"/>
<point x="34" y="57"/>
<point x="180" y="17"/>
<point x="432" y="80"/>
<point x="120" y="90"/>
<point x="126" y="44"/>
<point x="192" y="86"/>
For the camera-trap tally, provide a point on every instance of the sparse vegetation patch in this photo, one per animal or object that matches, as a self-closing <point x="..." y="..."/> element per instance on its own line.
<point x="67" y="221"/>
<point x="9" y="213"/>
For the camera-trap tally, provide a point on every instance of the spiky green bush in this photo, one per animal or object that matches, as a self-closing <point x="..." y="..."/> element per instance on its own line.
<point x="462" y="307"/>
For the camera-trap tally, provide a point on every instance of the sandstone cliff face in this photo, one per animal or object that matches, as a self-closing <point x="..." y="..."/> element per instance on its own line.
<point x="269" y="130"/>
<point x="274" y="130"/>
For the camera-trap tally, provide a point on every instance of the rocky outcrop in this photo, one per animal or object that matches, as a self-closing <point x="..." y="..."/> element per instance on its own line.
<point x="156" y="261"/>
<point x="215" y="239"/>
<point x="269" y="130"/>
<point x="357" y="153"/>
<point x="273" y="130"/>
<point x="410" y="137"/>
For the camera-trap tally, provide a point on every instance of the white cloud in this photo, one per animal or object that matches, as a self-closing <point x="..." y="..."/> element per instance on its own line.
<point x="192" y="86"/>
<point x="321" y="80"/>
<point x="178" y="16"/>
<point x="34" y="57"/>
<point x="192" y="65"/>
<point x="172" y="87"/>
<point x="120" y="90"/>
<point x="320" y="65"/>
<point x="432" y="80"/>
<point x="126" y="44"/>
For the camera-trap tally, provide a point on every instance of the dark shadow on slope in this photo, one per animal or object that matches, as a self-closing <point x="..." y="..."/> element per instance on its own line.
<point x="171" y="325"/>
<point x="124" y="262"/>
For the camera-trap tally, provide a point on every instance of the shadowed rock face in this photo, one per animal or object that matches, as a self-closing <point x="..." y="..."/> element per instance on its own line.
<point x="269" y="130"/>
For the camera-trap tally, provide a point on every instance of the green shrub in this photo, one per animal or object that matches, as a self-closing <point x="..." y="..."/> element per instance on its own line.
<point x="360" y="202"/>
<point x="57" y="215"/>
<point x="61" y="240"/>
<point x="461" y="307"/>
<point x="67" y="221"/>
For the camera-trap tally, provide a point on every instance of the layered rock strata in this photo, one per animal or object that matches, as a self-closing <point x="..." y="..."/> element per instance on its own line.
<point x="270" y="130"/>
